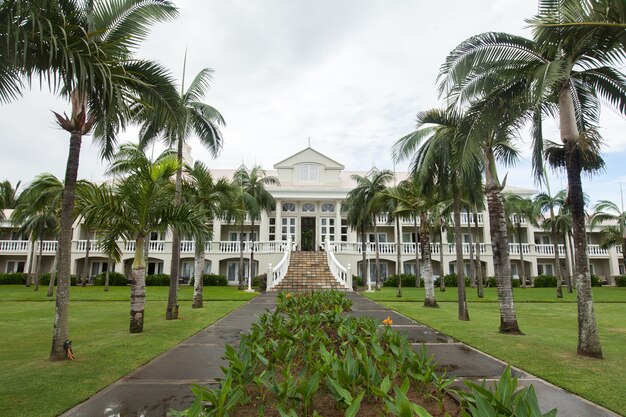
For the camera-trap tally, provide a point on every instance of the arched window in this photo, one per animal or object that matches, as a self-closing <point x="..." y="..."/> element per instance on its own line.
<point x="328" y="208"/>
<point x="308" y="208"/>
<point x="289" y="207"/>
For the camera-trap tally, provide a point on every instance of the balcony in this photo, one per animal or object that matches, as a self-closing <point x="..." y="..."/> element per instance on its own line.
<point x="548" y="250"/>
<point x="14" y="246"/>
<point x="514" y="248"/>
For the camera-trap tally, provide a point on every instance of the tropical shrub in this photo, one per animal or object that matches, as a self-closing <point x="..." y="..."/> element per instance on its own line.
<point x="450" y="280"/>
<point x="620" y="281"/>
<point x="408" y="280"/>
<point x="260" y="281"/>
<point x="595" y="281"/>
<point x="13" y="278"/>
<point x="212" y="280"/>
<point x="116" y="279"/>
<point x="158" y="280"/>
<point x="358" y="280"/>
<point x="545" y="281"/>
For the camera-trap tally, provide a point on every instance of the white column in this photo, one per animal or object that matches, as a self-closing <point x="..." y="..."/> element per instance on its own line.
<point x="217" y="230"/>
<point x="338" y="221"/>
<point x="279" y="224"/>
<point x="264" y="227"/>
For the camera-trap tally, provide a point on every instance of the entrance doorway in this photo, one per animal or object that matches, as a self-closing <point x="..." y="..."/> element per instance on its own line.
<point x="307" y="233"/>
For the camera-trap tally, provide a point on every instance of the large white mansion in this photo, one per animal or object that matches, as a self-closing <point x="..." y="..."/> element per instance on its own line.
<point x="310" y="210"/>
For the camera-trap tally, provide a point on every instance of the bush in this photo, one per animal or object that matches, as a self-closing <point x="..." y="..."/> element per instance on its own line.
<point x="595" y="281"/>
<point x="516" y="283"/>
<point x="44" y="279"/>
<point x="357" y="280"/>
<point x="213" y="280"/>
<point x="13" y="278"/>
<point x="408" y="280"/>
<point x="260" y="281"/>
<point x="545" y="281"/>
<point x="115" y="279"/>
<point x="620" y="281"/>
<point x="450" y="280"/>
<point x="158" y="280"/>
<point x="491" y="282"/>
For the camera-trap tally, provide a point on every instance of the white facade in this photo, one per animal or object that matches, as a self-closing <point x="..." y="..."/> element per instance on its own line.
<point x="310" y="203"/>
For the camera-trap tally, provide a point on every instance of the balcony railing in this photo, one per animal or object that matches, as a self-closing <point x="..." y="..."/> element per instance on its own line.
<point x="466" y="248"/>
<point x="13" y="246"/>
<point x="514" y="248"/>
<point x="548" y="249"/>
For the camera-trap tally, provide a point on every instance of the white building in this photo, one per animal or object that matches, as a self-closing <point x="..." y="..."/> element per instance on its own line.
<point x="310" y="208"/>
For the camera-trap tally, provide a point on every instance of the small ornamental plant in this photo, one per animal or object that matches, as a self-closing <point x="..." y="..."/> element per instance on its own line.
<point x="388" y="321"/>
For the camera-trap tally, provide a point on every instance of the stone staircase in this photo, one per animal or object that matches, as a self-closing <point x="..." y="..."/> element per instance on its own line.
<point x="308" y="271"/>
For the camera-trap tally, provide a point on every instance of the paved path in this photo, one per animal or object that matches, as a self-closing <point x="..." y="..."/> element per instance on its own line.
<point x="162" y="384"/>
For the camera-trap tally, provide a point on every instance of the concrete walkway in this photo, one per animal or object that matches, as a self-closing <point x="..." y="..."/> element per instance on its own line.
<point x="164" y="383"/>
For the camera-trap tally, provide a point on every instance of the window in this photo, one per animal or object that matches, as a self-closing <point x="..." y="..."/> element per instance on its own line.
<point x="157" y="236"/>
<point x="309" y="173"/>
<point x="545" y="269"/>
<point x="288" y="228"/>
<point x="207" y="267"/>
<point x="327" y="229"/>
<point x="289" y="207"/>
<point x="308" y="208"/>
<point x="409" y="268"/>
<point x="155" y="268"/>
<point x="187" y="270"/>
<point x="383" y="271"/>
<point x="15" y="266"/>
<point x="328" y="208"/>
<point x="344" y="230"/>
<point x="272" y="231"/>
<point x="233" y="271"/>
<point x="382" y="238"/>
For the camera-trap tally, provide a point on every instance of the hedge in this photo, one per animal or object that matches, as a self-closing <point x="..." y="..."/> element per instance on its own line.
<point x="115" y="279"/>
<point x="212" y="280"/>
<point x="408" y="280"/>
<point x="450" y="280"/>
<point x="595" y="281"/>
<point x="158" y="280"/>
<point x="260" y="281"/>
<point x="13" y="278"/>
<point x="620" y="281"/>
<point x="545" y="281"/>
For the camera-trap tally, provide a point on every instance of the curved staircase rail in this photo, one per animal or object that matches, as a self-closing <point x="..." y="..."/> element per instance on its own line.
<point x="276" y="274"/>
<point x="341" y="273"/>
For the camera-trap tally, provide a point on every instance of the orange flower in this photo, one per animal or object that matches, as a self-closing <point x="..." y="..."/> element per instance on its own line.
<point x="388" y="321"/>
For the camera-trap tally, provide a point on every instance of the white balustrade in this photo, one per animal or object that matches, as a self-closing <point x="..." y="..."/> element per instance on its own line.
<point x="516" y="218"/>
<point x="466" y="248"/>
<point x="276" y="274"/>
<point x="469" y="219"/>
<point x="48" y="246"/>
<point x="382" y="218"/>
<point x="595" y="250"/>
<point x="13" y="246"/>
<point x="548" y="249"/>
<point x="342" y="274"/>
<point x="514" y="248"/>
<point x="187" y="246"/>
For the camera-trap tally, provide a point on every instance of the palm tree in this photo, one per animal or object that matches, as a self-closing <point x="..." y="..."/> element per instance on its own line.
<point x="211" y="196"/>
<point x="359" y="220"/>
<point x="84" y="50"/>
<point x="432" y="148"/>
<point x="143" y="201"/>
<point x="253" y="183"/>
<point x="545" y="202"/>
<point x="518" y="208"/>
<point x="390" y="200"/>
<point x="195" y="118"/>
<point x="8" y="196"/>
<point x="608" y="211"/>
<point x="569" y="66"/>
<point x="367" y="191"/>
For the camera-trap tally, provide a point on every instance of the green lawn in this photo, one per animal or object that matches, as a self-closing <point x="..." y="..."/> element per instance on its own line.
<point x="104" y="350"/>
<point x="548" y="349"/>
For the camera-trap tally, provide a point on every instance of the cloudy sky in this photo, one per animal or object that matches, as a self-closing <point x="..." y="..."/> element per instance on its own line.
<point x="349" y="75"/>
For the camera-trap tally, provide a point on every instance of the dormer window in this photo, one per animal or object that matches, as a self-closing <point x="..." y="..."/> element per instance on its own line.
<point x="309" y="173"/>
<point x="328" y="208"/>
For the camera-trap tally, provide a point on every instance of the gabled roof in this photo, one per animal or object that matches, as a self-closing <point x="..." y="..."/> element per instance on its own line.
<point x="308" y="155"/>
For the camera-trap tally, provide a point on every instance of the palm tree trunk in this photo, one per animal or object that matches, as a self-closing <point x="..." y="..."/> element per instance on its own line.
<point x="588" y="337"/>
<point x="172" y="299"/>
<point x="377" y="267"/>
<point x="557" y="261"/>
<point x="107" y="275"/>
<point x="251" y="248"/>
<point x="30" y="261"/>
<point x="500" y="246"/>
<point x="240" y="272"/>
<point x="85" y="274"/>
<point x="138" y="288"/>
<point x="471" y="254"/>
<point x="479" y="279"/>
<point x="418" y="275"/>
<point x="568" y="261"/>
<point x="521" y="253"/>
<point x="197" y="277"/>
<point x="429" y="282"/>
<point x="570" y="239"/>
<point x="442" y="284"/>
<point x="61" y="315"/>
<point x="398" y="256"/>
<point x="39" y="259"/>
<point x="460" y="273"/>
<point x="364" y="257"/>
<point x="53" y="273"/>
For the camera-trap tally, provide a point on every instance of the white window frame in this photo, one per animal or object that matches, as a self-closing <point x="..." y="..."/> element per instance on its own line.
<point x="308" y="173"/>
<point x="328" y="208"/>
<point x="288" y="207"/>
<point x="288" y="227"/>
<point x="308" y="208"/>
<point x="15" y="263"/>
<point x="327" y="229"/>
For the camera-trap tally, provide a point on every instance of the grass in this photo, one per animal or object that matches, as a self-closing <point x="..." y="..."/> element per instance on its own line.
<point x="548" y="349"/>
<point x="104" y="350"/>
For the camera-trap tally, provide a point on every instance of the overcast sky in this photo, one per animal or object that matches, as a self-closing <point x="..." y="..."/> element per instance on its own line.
<point x="351" y="75"/>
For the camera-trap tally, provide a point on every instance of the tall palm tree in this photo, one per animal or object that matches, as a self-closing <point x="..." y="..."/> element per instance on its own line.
<point x="8" y="196"/>
<point x="368" y="192"/>
<point x="518" y="208"/>
<point x="546" y="202"/>
<point x="608" y="211"/>
<point x="141" y="202"/>
<point x="390" y="200"/>
<point x="198" y="120"/>
<point x="211" y="197"/>
<point x="570" y="65"/>
<point x="432" y="149"/>
<point x="85" y="51"/>
<point x="359" y="220"/>
<point x="253" y="183"/>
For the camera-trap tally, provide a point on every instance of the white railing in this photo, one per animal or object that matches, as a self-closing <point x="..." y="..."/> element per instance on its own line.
<point x="522" y="219"/>
<point x="468" y="219"/>
<point x="187" y="246"/>
<point x="596" y="250"/>
<point x="14" y="246"/>
<point x="342" y="274"/>
<point x="155" y="246"/>
<point x="514" y="248"/>
<point x="548" y="249"/>
<point x="81" y="245"/>
<point x="275" y="275"/>
<point x="466" y="248"/>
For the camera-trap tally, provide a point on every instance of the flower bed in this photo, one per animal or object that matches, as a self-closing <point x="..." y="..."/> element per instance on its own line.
<point x="309" y="359"/>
